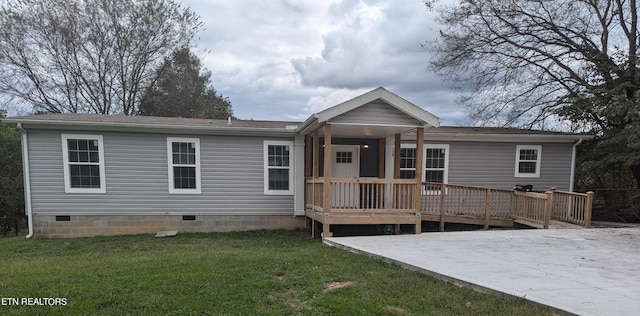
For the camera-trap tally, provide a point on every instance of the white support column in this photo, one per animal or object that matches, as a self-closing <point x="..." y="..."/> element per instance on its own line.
<point x="388" y="158"/>
<point x="298" y="176"/>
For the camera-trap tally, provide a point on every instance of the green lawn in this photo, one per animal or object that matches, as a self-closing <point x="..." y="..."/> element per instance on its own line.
<point x="244" y="273"/>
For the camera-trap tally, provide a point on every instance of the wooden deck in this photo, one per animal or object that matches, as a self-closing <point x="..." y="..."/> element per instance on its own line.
<point x="361" y="201"/>
<point x="397" y="202"/>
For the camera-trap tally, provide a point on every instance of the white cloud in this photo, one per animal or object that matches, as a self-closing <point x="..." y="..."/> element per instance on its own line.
<point x="288" y="59"/>
<point x="372" y="45"/>
<point x="331" y="98"/>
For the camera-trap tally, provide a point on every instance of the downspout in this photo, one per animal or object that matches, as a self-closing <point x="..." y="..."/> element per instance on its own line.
<point x="573" y="164"/>
<point x="27" y="178"/>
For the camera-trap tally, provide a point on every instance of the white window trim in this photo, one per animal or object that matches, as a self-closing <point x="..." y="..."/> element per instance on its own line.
<point x="445" y="177"/>
<point x="266" y="167"/>
<point x="170" y="165"/>
<point x="66" y="164"/>
<point x="517" y="172"/>
<point x="408" y="146"/>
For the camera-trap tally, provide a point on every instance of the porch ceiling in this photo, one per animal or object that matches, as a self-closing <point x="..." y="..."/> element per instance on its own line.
<point x="366" y="131"/>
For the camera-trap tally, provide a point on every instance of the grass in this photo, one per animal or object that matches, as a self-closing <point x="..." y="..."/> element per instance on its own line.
<point x="243" y="273"/>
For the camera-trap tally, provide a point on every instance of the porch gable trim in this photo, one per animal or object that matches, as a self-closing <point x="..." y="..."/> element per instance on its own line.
<point x="385" y="95"/>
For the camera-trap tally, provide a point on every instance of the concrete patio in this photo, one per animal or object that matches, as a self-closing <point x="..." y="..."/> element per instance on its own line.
<point x="579" y="271"/>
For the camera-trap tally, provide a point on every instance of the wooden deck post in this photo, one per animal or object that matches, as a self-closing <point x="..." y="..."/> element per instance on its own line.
<point x="326" y="230"/>
<point x="417" y="195"/>
<point x="588" y="209"/>
<point x="443" y="189"/>
<point x="548" y="208"/>
<point x="326" y="203"/>
<point x="316" y="154"/>
<point x="308" y="191"/>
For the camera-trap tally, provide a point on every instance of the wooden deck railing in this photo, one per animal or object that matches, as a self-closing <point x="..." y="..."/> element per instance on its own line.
<point x="459" y="200"/>
<point x="314" y="192"/>
<point x="532" y="207"/>
<point x="540" y="208"/>
<point x="449" y="200"/>
<point x="377" y="196"/>
<point x="572" y="207"/>
<point x="362" y="195"/>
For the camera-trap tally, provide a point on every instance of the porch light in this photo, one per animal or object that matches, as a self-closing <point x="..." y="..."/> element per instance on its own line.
<point x="365" y="146"/>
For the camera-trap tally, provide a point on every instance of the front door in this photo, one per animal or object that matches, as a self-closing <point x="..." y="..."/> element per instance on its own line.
<point x="345" y="163"/>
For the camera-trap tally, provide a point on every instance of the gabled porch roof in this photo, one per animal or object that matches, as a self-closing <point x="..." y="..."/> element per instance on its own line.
<point x="375" y="114"/>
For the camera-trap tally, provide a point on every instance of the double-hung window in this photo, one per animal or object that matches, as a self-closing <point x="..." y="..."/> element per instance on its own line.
<point x="407" y="161"/>
<point x="278" y="174"/>
<point x="184" y="165"/>
<point x="436" y="162"/>
<point x="83" y="158"/>
<point x="528" y="161"/>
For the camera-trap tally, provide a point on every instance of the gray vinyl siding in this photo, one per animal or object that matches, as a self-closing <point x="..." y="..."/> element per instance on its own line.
<point x="377" y="114"/>
<point x="492" y="164"/>
<point x="137" y="177"/>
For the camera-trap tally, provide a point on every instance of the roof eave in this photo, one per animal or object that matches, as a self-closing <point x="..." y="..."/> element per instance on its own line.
<point x="561" y="138"/>
<point x="151" y="128"/>
<point x="309" y="125"/>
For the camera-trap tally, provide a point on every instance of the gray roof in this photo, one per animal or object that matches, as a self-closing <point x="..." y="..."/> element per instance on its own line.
<point x="254" y="127"/>
<point x="491" y="130"/>
<point x="151" y="120"/>
<point x="151" y="124"/>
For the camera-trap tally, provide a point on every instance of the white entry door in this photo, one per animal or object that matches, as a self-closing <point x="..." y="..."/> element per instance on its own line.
<point x="345" y="163"/>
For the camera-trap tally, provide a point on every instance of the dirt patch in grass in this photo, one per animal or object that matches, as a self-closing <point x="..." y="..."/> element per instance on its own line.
<point x="394" y="310"/>
<point x="332" y="286"/>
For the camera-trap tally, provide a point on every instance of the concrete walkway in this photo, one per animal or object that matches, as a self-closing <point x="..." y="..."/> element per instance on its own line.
<point x="580" y="271"/>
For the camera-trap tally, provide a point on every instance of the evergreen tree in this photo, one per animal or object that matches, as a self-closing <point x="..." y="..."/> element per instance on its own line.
<point x="183" y="89"/>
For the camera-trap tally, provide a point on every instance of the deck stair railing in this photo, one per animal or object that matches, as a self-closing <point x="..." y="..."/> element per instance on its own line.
<point x="449" y="200"/>
<point x="571" y="207"/>
<point x="532" y="207"/>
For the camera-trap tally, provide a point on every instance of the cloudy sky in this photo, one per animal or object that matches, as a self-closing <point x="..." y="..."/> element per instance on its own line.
<point x="287" y="59"/>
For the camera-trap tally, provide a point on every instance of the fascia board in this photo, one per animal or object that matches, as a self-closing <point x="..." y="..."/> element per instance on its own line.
<point x="152" y="128"/>
<point x="310" y="124"/>
<point x="460" y="137"/>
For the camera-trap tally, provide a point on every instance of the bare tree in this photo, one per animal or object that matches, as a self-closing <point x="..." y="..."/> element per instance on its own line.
<point x="88" y="56"/>
<point x="523" y="61"/>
